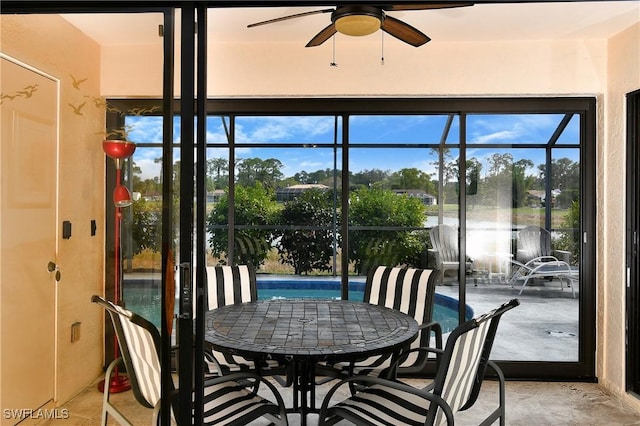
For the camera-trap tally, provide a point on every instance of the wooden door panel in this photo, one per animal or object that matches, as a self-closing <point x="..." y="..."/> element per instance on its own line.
<point x="28" y="237"/>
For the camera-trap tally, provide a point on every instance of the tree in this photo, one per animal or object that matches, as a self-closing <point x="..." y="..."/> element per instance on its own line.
<point x="307" y="249"/>
<point x="570" y="239"/>
<point x="368" y="178"/>
<point x="383" y="209"/>
<point x="145" y="229"/>
<point x="217" y="173"/>
<point x="449" y="168"/>
<point x="412" y="178"/>
<point x="519" y="182"/>
<point x="250" y="171"/>
<point x="254" y="205"/>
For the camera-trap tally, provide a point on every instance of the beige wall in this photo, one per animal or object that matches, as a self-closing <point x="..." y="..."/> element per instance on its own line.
<point x="437" y="69"/>
<point x="51" y="45"/>
<point x="623" y="76"/>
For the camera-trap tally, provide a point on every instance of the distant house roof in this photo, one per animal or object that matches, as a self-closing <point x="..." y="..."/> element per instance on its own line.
<point x="290" y="192"/>
<point x="414" y="193"/>
<point x="304" y="186"/>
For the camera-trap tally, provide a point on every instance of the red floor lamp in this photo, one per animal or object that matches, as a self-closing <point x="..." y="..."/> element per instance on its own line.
<point x="118" y="150"/>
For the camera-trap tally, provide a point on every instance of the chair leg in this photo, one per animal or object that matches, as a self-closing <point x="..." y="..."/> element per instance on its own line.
<point x="499" y="412"/>
<point x="107" y="407"/>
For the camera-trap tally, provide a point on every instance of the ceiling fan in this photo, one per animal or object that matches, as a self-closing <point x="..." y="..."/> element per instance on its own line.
<point x="360" y="20"/>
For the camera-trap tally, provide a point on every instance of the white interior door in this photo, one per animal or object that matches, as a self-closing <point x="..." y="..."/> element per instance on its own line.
<point x="28" y="218"/>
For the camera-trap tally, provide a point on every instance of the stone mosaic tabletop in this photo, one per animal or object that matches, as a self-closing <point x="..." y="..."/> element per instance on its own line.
<point x="320" y="329"/>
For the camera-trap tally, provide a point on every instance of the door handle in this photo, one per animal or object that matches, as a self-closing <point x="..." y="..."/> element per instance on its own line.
<point x="51" y="266"/>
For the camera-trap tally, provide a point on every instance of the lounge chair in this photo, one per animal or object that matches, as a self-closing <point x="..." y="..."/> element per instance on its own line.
<point x="456" y="386"/>
<point x="534" y="242"/>
<point x="535" y="259"/>
<point x="548" y="270"/>
<point x="227" y="399"/>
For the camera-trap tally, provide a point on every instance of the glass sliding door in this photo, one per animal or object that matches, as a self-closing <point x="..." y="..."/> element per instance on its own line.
<point x="522" y="229"/>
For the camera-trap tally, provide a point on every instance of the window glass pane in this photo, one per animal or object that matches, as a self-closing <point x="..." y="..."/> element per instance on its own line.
<point x="512" y="128"/>
<point x="286" y="129"/>
<point x="286" y="218"/>
<point x="522" y="245"/>
<point x="392" y="193"/>
<point x="142" y="222"/>
<point x="571" y="134"/>
<point x="404" y="129"/>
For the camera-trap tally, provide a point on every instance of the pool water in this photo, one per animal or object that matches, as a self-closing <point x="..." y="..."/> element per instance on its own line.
<point x="145" y="301"/>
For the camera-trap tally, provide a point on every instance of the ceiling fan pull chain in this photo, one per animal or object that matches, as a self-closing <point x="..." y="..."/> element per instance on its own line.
<point x="333" y="62"/>
<point x="382" y="44"/>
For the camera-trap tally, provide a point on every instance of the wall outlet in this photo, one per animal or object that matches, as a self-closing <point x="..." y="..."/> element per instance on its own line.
<point x="75" y="331"/>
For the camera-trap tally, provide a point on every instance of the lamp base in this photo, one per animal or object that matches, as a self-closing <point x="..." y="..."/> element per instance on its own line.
<point x="118" y="383"/>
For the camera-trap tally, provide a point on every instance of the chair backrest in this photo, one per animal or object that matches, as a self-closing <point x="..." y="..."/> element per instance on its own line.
<point x="408" y="290"/>
<point x="227" y="285"/>
<point x="444" y="239"/>
<point x="139" y="343"/>
<point x="533" y="241"/>
<point x="464" y="362"/>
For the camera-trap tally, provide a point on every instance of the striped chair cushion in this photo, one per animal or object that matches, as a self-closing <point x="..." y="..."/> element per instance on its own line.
<point x="463" y="364"/>
<point x="230" y="402"/>
<point x="142" y="352"/>
<point x="381" y="405"/>
<point x="227" y="285"/>
<point x="407" y="290"/>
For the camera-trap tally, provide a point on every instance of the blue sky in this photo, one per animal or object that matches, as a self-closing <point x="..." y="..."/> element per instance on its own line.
<point x="319" y="131"/>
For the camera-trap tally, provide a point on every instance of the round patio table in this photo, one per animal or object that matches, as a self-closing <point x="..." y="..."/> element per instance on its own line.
<point x="301" y="332"/>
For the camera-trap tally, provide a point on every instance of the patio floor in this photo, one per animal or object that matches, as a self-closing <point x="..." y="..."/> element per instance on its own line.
<point x="528" y="403"/>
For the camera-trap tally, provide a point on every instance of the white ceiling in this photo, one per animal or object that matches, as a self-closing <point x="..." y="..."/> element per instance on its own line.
<point x="481" y="22"/>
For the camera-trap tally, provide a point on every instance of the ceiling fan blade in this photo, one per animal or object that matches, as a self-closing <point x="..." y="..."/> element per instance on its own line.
<point x="322" y="36"/>
<point x="284" y="18"/>
<point x="403" y="31"/>
<point x="425" y="6"/>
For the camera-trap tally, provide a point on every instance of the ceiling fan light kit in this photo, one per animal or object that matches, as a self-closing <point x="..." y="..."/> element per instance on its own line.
<point x="357" y="21"/>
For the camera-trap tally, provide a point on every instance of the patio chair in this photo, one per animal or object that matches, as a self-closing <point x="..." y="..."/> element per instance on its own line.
<point x="228" y="401"/>
<point x="411" y="291"/>
<point x="227" y="285"/>
<point x="461" y="370"/>
<point x="444" y="240"/>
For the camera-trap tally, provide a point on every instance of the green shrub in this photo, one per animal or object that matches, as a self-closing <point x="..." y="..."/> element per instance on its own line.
<point x="307" y="249"/>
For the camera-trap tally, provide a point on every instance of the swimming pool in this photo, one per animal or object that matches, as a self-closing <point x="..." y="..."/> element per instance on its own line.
<point x="145" y="301"/>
